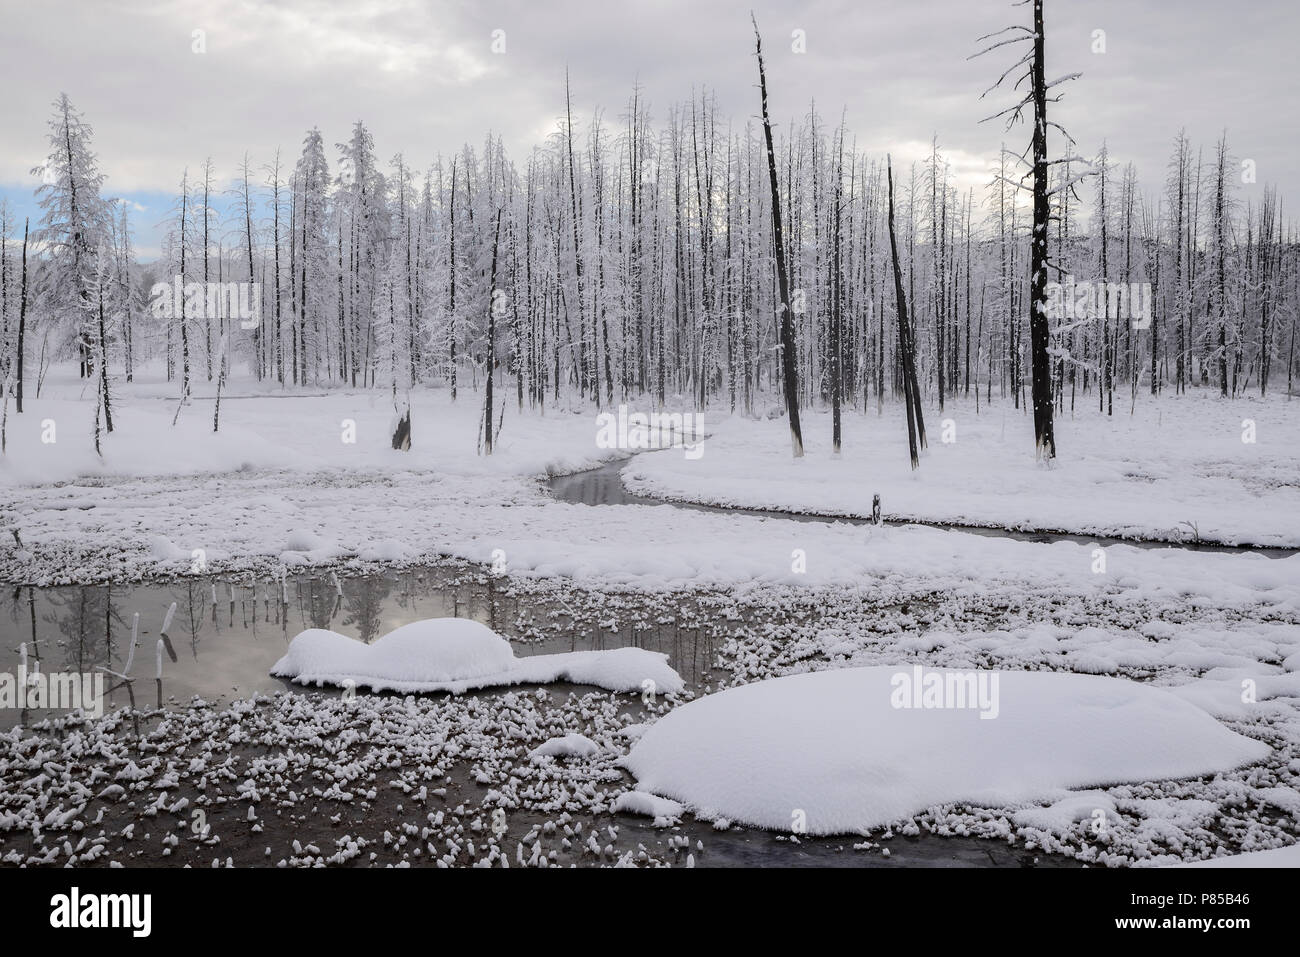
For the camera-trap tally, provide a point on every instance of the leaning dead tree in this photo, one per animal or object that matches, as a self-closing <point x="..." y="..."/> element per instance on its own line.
<point x="788" y="374"/>
<point x="906" y="341"/>
<point x="1039" y="332"/>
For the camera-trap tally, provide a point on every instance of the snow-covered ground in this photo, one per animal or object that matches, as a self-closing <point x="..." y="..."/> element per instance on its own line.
<point x="1278" y="857"/>
<point x="1177" y="469"/>
<point x="280" y="486"/>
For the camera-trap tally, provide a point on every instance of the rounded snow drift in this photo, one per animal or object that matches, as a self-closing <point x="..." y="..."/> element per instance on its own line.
<point x="435" y="651"/>
<point x="458" y="655"/>
<point x="844" y="751"/>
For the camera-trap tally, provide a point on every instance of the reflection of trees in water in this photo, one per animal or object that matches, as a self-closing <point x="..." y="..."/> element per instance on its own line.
<point x="317" y="602"/>
<point x="191" y="607"/>
<point x="22" y="612"/>
<point x="16" y="605"/>
<point x="364" y="608"/>
<point x="89" y="624"/>
<point x="234" y="602"/>
<point x="406" y="589"/>
<point x="195" y="611"/>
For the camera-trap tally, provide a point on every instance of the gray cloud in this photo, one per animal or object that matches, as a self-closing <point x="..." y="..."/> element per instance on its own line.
<point x="424" y="78"/>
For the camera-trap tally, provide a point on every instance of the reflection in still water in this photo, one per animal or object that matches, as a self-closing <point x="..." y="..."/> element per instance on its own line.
<point x="365" y="606"/>
<point x="235" y="631"/>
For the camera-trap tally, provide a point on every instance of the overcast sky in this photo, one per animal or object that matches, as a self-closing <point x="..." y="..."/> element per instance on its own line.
<point x="423" y="76"/>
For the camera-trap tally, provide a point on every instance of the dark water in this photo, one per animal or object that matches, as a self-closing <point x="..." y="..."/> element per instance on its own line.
<point x="604" y="486"/>
<point x="224" y="649"/>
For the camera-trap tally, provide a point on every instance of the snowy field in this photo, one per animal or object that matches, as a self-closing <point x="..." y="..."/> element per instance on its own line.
<point x="281" y="484"/>
<point x="1171" y="635"/>
<point x="1175" y="470"/>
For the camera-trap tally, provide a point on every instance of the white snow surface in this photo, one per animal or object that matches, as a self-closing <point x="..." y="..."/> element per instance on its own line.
<point x="831" y="744"/>
<point x="1167" y="471"/>
<point x="650" y="805"/>
<point x="457" y="655"/>
<point x="276" y="488"/>
<point x="570" y="745"/>
<point x="1277" y="857"/>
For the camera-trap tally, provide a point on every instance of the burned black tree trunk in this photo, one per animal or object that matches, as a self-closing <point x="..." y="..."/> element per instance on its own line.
<point x="789" y="376"/>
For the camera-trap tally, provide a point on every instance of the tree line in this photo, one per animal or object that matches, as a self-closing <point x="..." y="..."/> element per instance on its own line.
<point x="644" y="258"/>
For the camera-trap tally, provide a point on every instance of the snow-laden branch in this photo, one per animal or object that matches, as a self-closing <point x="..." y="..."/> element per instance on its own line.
<point x="1011" y="182"/>
<point x="1072" y="181"/>
<point x="1000" y="43"/>
<point x="1064" y="132"/>
<point x="1021" y="62"/>
<point x="998" y="33"/>
<point x="1062" y="79"/>
<point x="1010" y="109"/>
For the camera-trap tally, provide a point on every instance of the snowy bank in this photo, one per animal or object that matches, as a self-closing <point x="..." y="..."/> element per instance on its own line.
<point x="1171" y="471"/>
<point x="852" y="749"/>
<point x="457" y="655"/>
<point x="1277" y="857"/>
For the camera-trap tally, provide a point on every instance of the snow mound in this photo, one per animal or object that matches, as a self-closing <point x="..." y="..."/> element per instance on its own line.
<point x="1238" y="696"/>
<point x="662" y="810"/>
<point x="165" y="550"/>
<point x="430" y="652"/>
<point x="835" y="752"/>
<point x="617" y="669"/>
<point x="568" y="746"/>
<point x="1058" y="817"/>
<point x="459" y="654"/>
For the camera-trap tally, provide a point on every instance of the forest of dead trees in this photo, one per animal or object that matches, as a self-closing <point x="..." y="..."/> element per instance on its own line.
<point x="631" y="258"/>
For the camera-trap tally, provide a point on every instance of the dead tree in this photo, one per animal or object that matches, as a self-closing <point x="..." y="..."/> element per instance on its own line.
<point x="906" y="341"/>
<point x="1039" y="332"/>
<point x="577" y="248"/>
<point x="1267" y="218"/>
<point x="837" y="301"/>
<point x="789" y="378"/>
<point x="207" y="213"/>
<point x="451" y="286"/>
<point x="22" y="319"/>
<point x="491" y="341"/>
<point x="103" y="348"/>
<point x="185" y="337"/>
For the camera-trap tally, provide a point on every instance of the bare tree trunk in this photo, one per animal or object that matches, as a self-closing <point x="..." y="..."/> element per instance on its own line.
<point x="451" y="281"/>
<point x="185" y="337"/>
<point x="491" y="342"/>
<point x="789" y="378"/>
<point x="577" y="246"/>
<point x="103" y="356"/>
<point x="906" y="341"/>
<point x="837" y="292"/>
<point x="22" y="318"/>
<point x="1044" y="435"/>
<point x="207" y="320"/>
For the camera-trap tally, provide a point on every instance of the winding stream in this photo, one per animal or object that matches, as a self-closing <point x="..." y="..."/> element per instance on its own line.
<point x="604" y="486"/>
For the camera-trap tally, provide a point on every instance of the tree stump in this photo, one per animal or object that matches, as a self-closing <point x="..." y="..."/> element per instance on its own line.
<point x="402" y="432"/>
